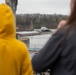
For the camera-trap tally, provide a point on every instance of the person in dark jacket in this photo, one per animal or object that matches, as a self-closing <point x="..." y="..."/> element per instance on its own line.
<point x="59" y="54"/>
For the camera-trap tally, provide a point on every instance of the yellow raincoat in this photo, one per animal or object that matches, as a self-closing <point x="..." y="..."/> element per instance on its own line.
<point x="14" y="56"/>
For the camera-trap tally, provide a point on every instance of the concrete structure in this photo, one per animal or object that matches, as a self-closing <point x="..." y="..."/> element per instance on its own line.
<point x="13" y="4"/>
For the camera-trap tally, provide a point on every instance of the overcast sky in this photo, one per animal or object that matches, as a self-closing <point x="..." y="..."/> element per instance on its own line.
<point x="43" y="6"/>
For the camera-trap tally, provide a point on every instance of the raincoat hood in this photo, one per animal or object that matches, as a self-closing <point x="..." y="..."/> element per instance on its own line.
<point x="7" y="22"/>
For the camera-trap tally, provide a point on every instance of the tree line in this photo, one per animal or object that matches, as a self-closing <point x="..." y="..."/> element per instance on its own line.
<point x="38" y="20"/>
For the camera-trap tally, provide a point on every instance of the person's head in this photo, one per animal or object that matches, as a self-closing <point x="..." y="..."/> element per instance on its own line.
<point x="61" y="24"/>
<point x="7" y="22"/>
<point x="72" y="17"/>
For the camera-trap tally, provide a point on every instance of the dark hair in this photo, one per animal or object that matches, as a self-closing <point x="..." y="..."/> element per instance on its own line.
<point x="72" y="17"/>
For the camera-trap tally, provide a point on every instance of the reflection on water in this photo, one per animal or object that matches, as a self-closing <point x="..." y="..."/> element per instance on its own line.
<point x="37" y="42"/>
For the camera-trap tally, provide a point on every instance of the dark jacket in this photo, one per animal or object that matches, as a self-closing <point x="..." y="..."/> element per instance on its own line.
<point x="59" y="54"/>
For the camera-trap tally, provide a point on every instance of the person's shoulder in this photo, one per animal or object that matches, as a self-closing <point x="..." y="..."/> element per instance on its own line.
<point x="62" y="31"/>
<point x="21" y="45"/>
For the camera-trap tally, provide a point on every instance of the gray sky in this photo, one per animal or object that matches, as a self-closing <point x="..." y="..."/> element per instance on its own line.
<point x="43" y="6"/>
<point x="2" y="1"/>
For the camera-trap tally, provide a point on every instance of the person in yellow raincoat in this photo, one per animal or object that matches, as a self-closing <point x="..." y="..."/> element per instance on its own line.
<point x="14" y="56"/>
